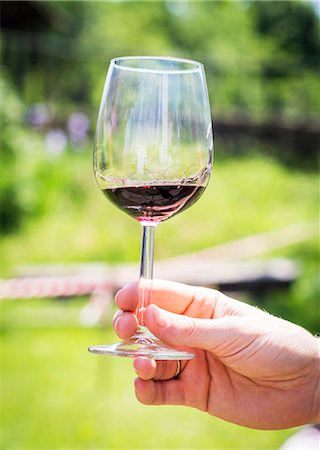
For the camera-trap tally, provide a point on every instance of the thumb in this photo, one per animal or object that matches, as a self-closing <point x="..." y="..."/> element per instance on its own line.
<point x="176" y="329"/>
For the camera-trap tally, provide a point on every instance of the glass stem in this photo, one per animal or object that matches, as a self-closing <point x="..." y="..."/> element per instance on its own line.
<point x="146" y="272"/>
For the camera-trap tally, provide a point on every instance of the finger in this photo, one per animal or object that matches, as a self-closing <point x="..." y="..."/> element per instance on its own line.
<point x="125" y="324"/>
<point x="151" y="392"/>
<point x="188" y="300"/>
<point x="187" y="389"/>
<point x="147" y="368"/>
<point x="175" y="297"/>
<point x="220" y="336"/>
<point x="128" y="297"/>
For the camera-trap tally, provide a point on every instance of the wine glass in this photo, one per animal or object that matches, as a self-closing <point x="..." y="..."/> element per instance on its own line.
<point x="153" y="156"/>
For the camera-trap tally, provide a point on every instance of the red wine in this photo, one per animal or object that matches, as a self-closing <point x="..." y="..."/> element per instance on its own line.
<point x="154" y="203"/>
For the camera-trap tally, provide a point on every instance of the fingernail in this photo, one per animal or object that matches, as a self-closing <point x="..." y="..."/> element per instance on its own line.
<point x="116" y="319"/>
<point x="117" y="294"/>
<point x="120" y="291"/>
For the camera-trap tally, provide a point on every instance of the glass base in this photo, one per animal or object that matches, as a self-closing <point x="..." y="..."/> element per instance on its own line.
<point x="142" y="344"/>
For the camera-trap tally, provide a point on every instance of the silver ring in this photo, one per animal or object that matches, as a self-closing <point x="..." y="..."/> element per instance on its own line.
<point x="178" y="369"/>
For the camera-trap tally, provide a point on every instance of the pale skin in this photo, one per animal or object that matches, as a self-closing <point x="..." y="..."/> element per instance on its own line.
<point x="251" y="368"/>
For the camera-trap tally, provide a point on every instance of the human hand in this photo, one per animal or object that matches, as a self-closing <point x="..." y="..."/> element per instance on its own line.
<point x="251" y="368"/>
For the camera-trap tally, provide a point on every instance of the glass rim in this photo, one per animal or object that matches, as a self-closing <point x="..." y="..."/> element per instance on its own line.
<point x="196" y="65"/>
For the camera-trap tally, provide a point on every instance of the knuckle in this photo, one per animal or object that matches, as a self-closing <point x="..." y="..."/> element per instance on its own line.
<point x="206" y="300"/>
<point x="190" y="328"/>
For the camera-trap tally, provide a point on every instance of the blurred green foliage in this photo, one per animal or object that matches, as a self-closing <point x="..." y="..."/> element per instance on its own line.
<point x="262" y="62"/>
<point x="247" y="195"/>
<point x="32" y="180"/>
<point x="21" y="153"/>
<point x="261" y="58"/>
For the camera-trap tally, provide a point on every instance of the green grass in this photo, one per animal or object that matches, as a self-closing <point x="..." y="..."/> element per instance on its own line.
<point x="55" y="395"/>
<point x="245" y="196"/>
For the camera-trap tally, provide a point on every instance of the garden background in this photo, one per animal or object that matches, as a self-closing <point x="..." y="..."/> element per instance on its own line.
<point x="262" y="64"/>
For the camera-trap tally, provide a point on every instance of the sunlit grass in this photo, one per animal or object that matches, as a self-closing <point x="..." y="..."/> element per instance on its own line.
<point x="245" y="196"/>
<point x="56" y="395"/>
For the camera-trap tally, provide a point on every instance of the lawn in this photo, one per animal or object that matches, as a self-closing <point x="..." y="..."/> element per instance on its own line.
<point x="245" y="196"/>
<point x="55" y="395"/>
